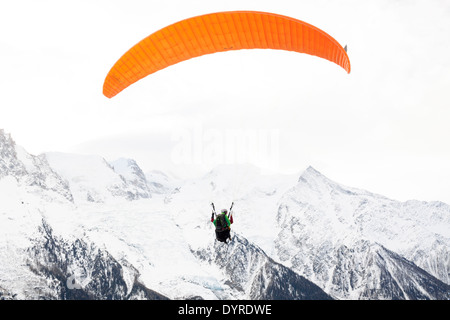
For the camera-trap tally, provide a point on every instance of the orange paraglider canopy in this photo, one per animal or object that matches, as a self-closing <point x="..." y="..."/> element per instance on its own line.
<point x="217" y="32"/>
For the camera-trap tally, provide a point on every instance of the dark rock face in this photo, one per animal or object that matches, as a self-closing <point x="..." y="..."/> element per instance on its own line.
<point x="79" y="270"/>
<point x="252" y="272"/>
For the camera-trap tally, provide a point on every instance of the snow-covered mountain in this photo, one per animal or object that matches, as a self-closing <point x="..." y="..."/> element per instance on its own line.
<point x="349" y="241"/>
<point x="31" y="172"/>
<point x="80" y="227"/>
<point x="92" y="178"/>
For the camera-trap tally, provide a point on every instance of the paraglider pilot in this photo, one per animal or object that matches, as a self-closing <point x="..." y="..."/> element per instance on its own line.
<point x="222" y="222"/>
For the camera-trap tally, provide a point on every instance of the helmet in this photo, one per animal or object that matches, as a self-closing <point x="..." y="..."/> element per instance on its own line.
<point x="224" y="211"/>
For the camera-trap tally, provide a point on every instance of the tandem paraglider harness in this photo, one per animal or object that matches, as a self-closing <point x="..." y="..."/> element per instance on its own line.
<point x="222" y="223"/>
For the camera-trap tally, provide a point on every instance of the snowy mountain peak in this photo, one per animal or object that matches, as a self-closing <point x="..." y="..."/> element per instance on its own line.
<point x="133" y="175"/>
<point x="9" y="164"/>
<point x="318" y="216"/>
<point x="93" y="179"/>
<point x="31" y="171"/>
<point x="128" y="168"/>
<point x="312" y="171"/>
<point x="314" y="181"/>
<point x="312" y="176"/>
<point x="6" y="139"/>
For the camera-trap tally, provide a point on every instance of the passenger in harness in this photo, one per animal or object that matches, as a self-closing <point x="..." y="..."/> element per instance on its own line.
<point x="222" y="223"/>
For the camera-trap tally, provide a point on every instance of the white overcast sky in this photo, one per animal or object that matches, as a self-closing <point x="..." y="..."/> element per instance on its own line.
<point x="385" y="127"/>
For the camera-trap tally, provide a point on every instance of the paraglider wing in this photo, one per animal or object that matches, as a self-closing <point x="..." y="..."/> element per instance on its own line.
<point x="217" y="32"/>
